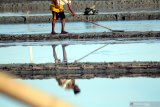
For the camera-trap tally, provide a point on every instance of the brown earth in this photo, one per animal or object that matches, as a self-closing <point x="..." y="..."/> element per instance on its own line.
<point x="42" y="6"/>
<point x="81" y="36"/>
<point x="121" y="16"/>
<point x="83" y="70"/>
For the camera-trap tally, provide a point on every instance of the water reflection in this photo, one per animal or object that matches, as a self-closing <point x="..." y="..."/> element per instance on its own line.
<point x="68" y="84"/>
<point x="90" y="26"/>
<point x="126" y="52"/>
<point x="57" y="60"/>
<point x="98" y="92"/>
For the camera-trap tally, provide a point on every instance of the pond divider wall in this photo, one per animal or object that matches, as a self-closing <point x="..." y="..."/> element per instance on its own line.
<point x="116" y="16"/>
<point x="43" y="6"/>
<point x="83" y="70"/>
<point x="136" y="35"/>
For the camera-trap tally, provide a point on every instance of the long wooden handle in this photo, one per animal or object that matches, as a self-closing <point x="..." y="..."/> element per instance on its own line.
<point x="91" y="22"/>
<point x="94" y="23"/>
<point x="27" y="94"/>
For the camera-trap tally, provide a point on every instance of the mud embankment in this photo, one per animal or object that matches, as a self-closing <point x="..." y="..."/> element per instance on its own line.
<point x="42" y="6"/>
<point x="108" y="10"/>
<point x="83" y="70"/>
<point x="116" y="16"/>
<point x="81" y="36"/>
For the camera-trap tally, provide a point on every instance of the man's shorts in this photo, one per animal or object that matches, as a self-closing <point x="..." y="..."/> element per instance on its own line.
<point x="60" y="15"/>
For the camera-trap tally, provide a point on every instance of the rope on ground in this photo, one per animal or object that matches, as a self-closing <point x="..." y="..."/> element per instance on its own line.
<point x="90" y="53"/>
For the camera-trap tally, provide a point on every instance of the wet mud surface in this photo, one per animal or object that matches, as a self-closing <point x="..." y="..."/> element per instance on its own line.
<point x="80" y="5"/>
<point x="80" y="36"/>
<point x="83" y="70"/>
<point x="115" y="16"/>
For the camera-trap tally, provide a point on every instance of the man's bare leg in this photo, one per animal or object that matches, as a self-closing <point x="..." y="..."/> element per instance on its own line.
<point x="63" y="26"/>
<point x="64" y="53"/>
<point x="53" y="26"/>
<point x="55" y="54"/>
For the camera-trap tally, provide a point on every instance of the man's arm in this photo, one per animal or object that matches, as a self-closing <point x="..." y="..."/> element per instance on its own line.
<point x="70" y="9"/>
<point x="69" y="6"/>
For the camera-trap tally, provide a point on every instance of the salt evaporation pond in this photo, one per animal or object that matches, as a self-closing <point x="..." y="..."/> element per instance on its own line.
<point x="119" y="52"/>
<point x="97" y="92"/>
<point x="81" y="27"/>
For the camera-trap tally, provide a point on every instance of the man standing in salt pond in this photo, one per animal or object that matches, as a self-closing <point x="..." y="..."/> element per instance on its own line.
<point x="57" y="8"/>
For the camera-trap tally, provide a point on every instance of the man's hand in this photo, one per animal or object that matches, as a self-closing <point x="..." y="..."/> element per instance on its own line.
<point x="73" y="14"/>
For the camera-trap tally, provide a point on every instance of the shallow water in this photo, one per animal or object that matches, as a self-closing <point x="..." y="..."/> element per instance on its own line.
<point x="111" y="52"/>
<point x="99" y="92"/>
<point x="81" y="27"/>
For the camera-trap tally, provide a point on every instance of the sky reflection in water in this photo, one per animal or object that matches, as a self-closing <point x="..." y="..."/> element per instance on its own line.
<point x="100" y="92"/>
<point x="142" y="51"/>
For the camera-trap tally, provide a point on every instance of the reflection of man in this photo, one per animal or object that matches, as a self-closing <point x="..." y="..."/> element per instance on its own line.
<point x="69" y="84"/>
<point x="57" y="61"/>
